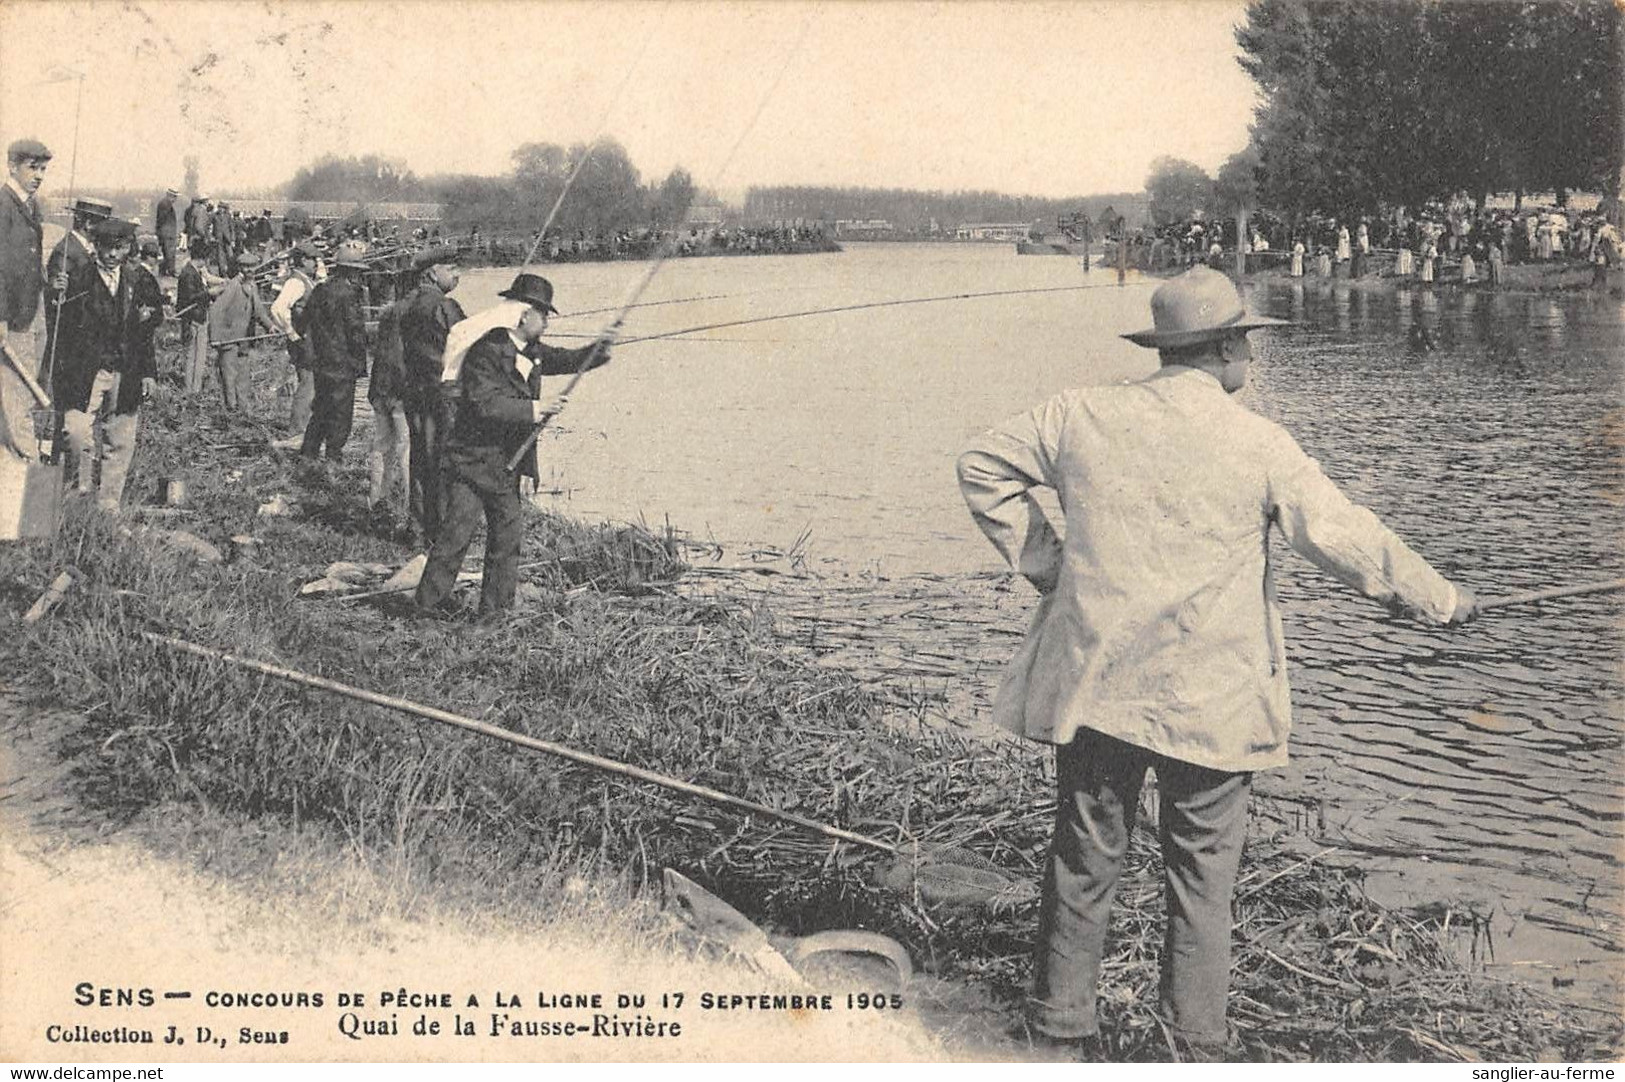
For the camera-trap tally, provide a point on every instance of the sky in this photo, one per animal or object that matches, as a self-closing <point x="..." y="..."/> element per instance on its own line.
<point x="1048" y="99"/>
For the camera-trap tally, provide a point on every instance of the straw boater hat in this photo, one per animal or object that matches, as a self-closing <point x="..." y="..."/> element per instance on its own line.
<point x="1199" y="306"/>
<point x="92" y="208"/>
<point x="534" y="290"/>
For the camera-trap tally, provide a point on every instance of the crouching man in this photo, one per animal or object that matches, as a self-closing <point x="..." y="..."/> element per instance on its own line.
<point x="105" y="366"/>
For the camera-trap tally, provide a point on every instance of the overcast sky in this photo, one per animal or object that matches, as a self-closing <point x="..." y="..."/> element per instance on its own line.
<point x="1047" y="99"/>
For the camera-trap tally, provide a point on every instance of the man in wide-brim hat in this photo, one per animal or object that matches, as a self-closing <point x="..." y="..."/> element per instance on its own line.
<point x="1157" y="642"/>
<point x="496" y="360"/>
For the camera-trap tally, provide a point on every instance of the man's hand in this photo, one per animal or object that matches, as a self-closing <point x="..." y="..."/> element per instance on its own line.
<point x="149" y="386"/>
<point x="1466" y="606"/>
<point x="105" y="384"/>
<point x="547" y="407"/>
<point x="60" y="282"/>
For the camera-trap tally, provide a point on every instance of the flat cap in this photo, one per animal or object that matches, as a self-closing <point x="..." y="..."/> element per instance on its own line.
<point x="28" y="149"/>
<point x="112" y="231"/>
<point x="248" y="259"/>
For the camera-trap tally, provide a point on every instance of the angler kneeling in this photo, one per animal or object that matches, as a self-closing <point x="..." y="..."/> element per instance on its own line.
<point x="496" y="360"/>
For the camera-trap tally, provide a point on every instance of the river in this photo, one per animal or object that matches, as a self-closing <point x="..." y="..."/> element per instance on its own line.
<point x="1481" y="766"/>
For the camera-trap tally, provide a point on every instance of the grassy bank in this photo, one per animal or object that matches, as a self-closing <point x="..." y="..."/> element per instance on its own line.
<point x="602" y="656"/>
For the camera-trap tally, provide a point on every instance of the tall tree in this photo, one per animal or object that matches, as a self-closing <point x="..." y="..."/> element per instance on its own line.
<point x="1177" y="190"/>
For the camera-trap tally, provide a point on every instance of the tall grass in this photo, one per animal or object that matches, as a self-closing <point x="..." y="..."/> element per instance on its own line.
<point x="603" y="659"/>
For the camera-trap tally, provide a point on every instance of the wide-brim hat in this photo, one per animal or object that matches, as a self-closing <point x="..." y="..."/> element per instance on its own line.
<point x="434" y="257"/>
<point x="1199" y="306"/>
<point x="93" y="208"/>
<point x="534" y="290"/>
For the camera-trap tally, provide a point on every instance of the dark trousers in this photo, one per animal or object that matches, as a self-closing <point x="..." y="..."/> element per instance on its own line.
<point x="423" y="423"/>
<point x="469" y="486"/>
<point x="166" y="244"/>
<point x="1202" y="822"/>
<point x="331" y="413"/>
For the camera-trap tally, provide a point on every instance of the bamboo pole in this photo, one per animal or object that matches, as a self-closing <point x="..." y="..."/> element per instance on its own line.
<point x="530" y="743"/>
<point x="1529" y="597"/>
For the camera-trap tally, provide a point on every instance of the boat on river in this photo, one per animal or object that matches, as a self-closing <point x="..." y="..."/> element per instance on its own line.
<point x="1073" y="236"/>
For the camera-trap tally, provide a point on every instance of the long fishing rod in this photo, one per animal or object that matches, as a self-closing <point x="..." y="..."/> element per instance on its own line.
<point x="598" y="134"/>
<point x="853" y="308"/>
<point x="667" y="248"/>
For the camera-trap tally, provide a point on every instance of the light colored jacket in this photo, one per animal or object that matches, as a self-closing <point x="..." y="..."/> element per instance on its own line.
<point x="1159" y="623"/>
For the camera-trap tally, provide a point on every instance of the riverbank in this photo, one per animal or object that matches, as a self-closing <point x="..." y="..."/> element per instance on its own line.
<point x="610" y="653"/>
<point x="512" y="254"/>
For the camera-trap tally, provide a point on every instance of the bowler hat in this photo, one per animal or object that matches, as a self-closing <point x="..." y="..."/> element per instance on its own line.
<point x="1199" y="306"/>
<point x="23" y="150"/>
<point x="534" y="290"/>
<point x="92" y="208"/>
<point x="112" y="231"/>
<point x="433" y="257"/>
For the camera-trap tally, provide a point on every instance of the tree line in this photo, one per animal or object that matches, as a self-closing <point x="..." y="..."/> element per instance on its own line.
<point x="1368" y="104"/>
<point x="608" y="195"/>
<point x="919" y="211"/>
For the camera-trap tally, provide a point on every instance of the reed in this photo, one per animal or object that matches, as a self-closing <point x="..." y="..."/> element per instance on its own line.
<point x="608" y="657"/>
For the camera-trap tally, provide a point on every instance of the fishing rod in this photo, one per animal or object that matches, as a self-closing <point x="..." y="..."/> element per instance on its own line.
<point x="667" y="248"/>
<point x="598" y="134"/>
<point x="853" y="308"/>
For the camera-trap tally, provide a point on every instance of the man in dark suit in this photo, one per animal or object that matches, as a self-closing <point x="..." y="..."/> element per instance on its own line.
<point x="336" y="325"/>
<point x="105" y="366"/>
<point x="21" y="239"/>
<point x="498" y="406"/>
<point x="198" y="219"/>
<point x="167" y="227"/>
<point x="427" y="316"/>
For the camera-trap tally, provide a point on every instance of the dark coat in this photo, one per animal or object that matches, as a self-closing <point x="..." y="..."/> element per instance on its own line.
<point x="21" y="239"/>
<point x="103" y="331"/>
<point x="70" y="254"/>
<point x="427" y="317"/>
<point x="388" y="380"/>
<point x="164" y="223"/>
<point x="337" y="329"/>
<point x="192" y="294"/>
<point x="494" y="411"/>
<point x="197" y="221"/>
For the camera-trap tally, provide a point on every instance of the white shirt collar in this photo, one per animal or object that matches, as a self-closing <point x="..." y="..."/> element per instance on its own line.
<point x="111" y="277"/>
<point x="11" y="182"/>
<point x="521" y="362"/>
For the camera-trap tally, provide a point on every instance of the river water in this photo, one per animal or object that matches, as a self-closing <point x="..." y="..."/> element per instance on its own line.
<point x="1484" y="764"/>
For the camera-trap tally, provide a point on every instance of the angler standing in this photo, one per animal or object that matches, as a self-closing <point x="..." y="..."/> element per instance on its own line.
<point x="497" y="407"/>
<point x="338" y="353"/>
<point x="105" y="366"/>
<point x="427" y="317"/>
<point x="193" y="289"/>
<point x="166" y="225"/>
<point x="21" y="281"/>
<point x="1157" y="642"/>
<point x="236" y="313"/>
<point x="288" y="313"/>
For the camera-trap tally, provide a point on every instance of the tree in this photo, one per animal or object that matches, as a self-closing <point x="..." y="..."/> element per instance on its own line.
<point x="670" y="202"/>
<point x="1236" y="187"/>
<point x="1177" y="190"/>
<point x="369" y="179"/>
<point x="191" y="183"/>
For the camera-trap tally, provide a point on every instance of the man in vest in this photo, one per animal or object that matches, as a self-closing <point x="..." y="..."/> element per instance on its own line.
<point x="287" y="312"/>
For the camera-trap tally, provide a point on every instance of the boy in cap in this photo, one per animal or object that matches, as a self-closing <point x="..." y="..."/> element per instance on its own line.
<point x="194" y="288"/>
<point x="499" y="380"/>
<point x="237" y="313"/>
<point x="105" y="366"/>
<point x="1157" y="642"/>
<point x="21" y="243"/>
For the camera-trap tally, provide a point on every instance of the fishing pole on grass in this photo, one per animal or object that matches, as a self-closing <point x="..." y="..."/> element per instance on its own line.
<point x="942" y="874"/>
<point x="665" y="252"/>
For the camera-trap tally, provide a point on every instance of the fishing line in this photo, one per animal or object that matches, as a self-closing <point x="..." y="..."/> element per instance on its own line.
<point x="597" y="135"/>
<point x="666" y="249"/>
<point x="856" y="308"/>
